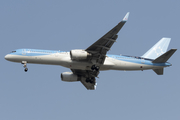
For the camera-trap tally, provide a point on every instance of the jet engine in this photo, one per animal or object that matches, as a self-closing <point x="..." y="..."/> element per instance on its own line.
<point x="79" y="54"/>
<point x="69" y="77"/>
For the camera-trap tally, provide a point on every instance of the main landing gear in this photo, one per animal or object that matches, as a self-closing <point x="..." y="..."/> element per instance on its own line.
<point x="90" y="80"/>
<point x="94" y="73"/>
<point x="25" y="65"/>
<point x="94" y="67"/>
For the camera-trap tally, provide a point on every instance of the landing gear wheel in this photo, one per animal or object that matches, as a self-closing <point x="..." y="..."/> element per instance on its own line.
<point x="94" y="67"/>
<point x="26" y="69"/>
<point x="97" y="68"/>
<point x="90" y="80"/>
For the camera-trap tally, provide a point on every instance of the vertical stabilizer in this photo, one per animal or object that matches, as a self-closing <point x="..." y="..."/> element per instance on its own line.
<point x="158" y="49"/>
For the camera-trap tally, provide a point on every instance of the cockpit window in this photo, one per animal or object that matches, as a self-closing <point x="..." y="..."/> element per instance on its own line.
<point x="13" y="51"/>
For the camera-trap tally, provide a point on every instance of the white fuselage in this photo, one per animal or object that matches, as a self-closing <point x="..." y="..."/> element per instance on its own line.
<point x="112" y="62"/>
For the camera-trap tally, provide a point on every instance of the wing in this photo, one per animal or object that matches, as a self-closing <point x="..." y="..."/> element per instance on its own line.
<point x="87" y="77"/>
<point x="99" y="49"/>
<point x="98" y="52"/>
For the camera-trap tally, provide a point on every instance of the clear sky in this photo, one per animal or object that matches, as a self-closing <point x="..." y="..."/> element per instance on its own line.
<point x="40" y="94"/>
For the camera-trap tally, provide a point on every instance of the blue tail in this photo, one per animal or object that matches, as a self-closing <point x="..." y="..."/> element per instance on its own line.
<point x="158" y="49"/>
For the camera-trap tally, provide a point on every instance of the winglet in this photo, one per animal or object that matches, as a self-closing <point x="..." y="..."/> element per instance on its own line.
<point x="126" y="17"/>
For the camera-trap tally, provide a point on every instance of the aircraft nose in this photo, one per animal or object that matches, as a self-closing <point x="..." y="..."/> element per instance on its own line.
<point x="7" y="57"/>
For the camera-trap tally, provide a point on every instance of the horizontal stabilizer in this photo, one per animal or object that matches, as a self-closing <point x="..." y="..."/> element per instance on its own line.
<point x="163" y="58"/>
<point x="159" y="71"/>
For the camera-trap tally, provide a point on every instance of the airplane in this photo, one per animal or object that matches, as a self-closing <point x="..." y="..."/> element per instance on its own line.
<point x="86" y="64"/>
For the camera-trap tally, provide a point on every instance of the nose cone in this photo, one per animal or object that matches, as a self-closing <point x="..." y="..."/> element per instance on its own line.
<point x="7" y="57"/>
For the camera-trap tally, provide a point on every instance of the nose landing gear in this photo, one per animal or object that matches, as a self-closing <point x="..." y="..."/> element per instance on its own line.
<point x="25" y="65"/>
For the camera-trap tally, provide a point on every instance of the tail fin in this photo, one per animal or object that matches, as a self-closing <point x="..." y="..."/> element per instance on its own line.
<point x="158" y="49"/>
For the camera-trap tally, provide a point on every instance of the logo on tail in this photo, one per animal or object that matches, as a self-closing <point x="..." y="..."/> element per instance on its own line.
<point x="158" y="49"/>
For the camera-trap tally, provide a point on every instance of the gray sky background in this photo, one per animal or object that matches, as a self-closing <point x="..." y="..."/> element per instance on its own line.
<point x="40" y="94"/>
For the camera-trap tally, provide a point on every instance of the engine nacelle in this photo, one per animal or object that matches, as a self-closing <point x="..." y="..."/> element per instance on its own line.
<point x="79" y="54"/>
<point x="69" y="77"/>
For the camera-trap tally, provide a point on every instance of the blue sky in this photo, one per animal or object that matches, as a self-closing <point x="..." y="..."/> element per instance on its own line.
<point x="40" y="94"/>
